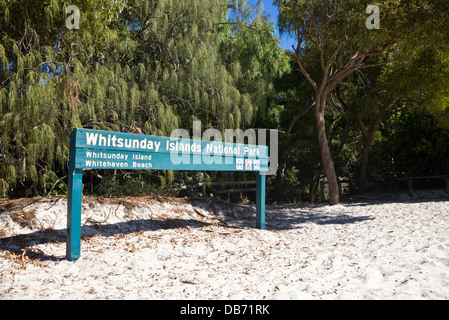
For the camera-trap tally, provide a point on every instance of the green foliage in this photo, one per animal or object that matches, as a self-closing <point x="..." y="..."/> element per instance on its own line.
<point x="299" y="156"/>
<point x="334" y="44"/>
<point x="135" y="184"/>
<point x="4" y="188"/>
<point x="416" y="81"/>
<point x="140" y="66"/>
<point x="412" y="145"/>
<point x="150" y="66"/>
<point x="370" y="98"/>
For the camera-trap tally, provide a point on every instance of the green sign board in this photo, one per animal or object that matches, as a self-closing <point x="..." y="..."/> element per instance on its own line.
<point x="93" y="149"/>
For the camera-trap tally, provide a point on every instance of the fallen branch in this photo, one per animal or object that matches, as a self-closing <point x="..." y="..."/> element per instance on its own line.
<point x="56" y="183"/>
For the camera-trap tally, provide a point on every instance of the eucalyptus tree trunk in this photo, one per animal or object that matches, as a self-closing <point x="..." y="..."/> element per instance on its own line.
<point x="364" y="163"/>
<point x="326" y="158"/>
<point x="368" y="139"/>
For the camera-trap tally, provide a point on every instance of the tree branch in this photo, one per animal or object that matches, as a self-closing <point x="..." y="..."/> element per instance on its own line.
<point x="305" y="73"/>
<point x="377" y="64"/>
<point x="385" y="48"/>
<point x="333" y="55"/>
<point x="296" y="118"/>
<point x="333" y="81"/>
<point x="362" y="128"/>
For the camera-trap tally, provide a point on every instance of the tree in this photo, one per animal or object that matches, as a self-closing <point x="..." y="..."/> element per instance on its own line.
<point x="253" y="57"/>
<point x="142" y="66"/>
<point x="382" y="92"/>
<point x="413" y="143"/>
<point x="335" y="34"/>
<point x="39" y="97"/>
<point x="299" y="162"/>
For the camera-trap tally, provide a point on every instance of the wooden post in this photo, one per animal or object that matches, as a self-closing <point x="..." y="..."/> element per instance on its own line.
<point x="446" y="185"/>
<point x="260" y="201"/>
<point x="75" y="185"/>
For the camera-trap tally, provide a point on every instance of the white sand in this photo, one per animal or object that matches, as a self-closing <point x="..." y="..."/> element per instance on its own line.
<point x="175" y="250"/>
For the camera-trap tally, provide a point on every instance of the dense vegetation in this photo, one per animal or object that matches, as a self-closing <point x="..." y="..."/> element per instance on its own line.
<point x="378" y="99"/>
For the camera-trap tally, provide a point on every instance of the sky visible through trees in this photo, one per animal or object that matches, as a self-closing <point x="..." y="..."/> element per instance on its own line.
<point x="270" y="9"/>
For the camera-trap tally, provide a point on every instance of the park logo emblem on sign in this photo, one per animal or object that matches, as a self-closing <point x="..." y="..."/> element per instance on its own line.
<point x="256" y="164"/>
<point x="239" y="164"/>
<point x="248" y="164"/>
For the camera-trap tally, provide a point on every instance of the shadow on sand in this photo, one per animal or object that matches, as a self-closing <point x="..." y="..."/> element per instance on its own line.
<point x="281" y="218"/>
<point x="23" y="244"/>
<point x="278" y="218"/>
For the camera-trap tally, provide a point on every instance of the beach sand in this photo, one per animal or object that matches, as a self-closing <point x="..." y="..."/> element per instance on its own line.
<point x="140" y="248"/>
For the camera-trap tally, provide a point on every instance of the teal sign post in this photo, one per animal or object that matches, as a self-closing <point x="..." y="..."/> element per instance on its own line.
<point x="93" y="149"/>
